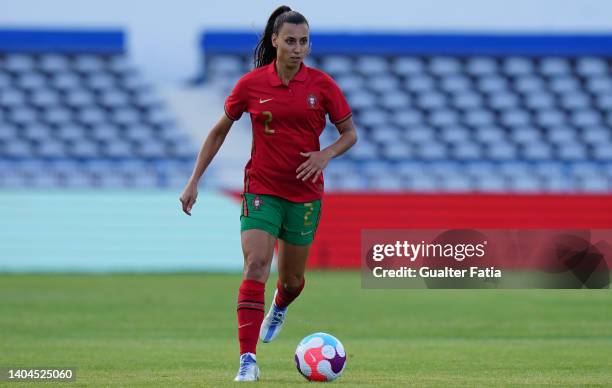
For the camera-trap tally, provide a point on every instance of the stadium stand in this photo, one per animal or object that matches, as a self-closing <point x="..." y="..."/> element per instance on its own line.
<point x="458" y="113"/>
<point x="75" y="113"/>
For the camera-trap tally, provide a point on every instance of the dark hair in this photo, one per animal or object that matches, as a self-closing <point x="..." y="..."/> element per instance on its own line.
<point x="265" y="53"/>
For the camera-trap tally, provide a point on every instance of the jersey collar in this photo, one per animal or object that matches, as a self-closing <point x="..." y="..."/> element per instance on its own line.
<point x="275" y="79"/>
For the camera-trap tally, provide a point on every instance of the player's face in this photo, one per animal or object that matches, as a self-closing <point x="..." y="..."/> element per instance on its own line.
<point x="292" y="44"/>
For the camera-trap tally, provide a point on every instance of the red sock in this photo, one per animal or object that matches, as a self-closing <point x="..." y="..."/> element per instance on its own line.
<point x="250" y="314"/>
<point x="284" y="298"/>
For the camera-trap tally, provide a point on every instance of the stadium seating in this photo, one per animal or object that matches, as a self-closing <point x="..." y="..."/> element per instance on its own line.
<point x="461" y="121"/>
<point x="83" y="116"/>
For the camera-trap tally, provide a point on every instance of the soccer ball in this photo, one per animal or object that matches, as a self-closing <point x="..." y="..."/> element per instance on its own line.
<point x="320" y="357"/>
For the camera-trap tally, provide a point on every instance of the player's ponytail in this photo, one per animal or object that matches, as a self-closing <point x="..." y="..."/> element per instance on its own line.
<point x="265" y="53"/>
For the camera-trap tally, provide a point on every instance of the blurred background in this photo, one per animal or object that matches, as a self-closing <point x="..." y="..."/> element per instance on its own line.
<point x="470" y="114"/>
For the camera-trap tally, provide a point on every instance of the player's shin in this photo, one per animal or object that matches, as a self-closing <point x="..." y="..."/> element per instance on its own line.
<point x="250" y="314"/>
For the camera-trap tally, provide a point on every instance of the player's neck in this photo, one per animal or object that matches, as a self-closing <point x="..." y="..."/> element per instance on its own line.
<point x="285" y="73"/>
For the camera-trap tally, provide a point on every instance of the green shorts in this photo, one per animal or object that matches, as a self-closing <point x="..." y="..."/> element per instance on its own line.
<point x="293" y="222"/>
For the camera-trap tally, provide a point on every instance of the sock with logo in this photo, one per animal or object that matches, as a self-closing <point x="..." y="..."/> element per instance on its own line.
<point x="284" y="298"/>
<point x="250" y="314"/>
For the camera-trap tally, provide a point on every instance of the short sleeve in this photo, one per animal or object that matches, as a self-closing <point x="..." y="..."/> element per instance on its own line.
<point x="236" y="102"/>
<point x="335" y="103"/>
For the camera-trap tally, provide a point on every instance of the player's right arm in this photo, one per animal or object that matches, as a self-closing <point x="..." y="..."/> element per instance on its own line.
<point x="209" y="149"/>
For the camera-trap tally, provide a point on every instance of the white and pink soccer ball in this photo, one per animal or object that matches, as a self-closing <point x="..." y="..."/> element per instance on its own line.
<point x="320" y="357"/>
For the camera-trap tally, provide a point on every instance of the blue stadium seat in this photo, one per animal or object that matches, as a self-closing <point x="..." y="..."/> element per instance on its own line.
<point x="501" y="151"/>
<point x="407" y="66"/>
<point x="529" y="83"/>
<point x="457" y="183"/>
<point x="467" y="100"/>
<point x="406" y="118"/>
<point x="603" y="151"/>
<point x="554" y="66"/>
<point x="441" y="66"/>
<point x="480" y="66"/>
<point x="491" y="183"/>
<point x="455" y="83"/>
<point x="387" y="182"/>
<point x="87" y="64"/>
<point x="479" y="117"/>
<point x="126" y="117"/>
<point x="18" y="63"/>
<point x="45" y="98"/>
<point x="537" y="151"/>
<point x="17" y="149"/>
<point x="503" y="100"/>
<point x="591" y="66"/>
<point x="431" y="100"/>
<point x="69" y="133"/>
<point x="525" y="135"/>
<point x="66" y="81"/>
<point x="373" y="118"/>
<point x="51" y="149"/>
<point x="599" y="84"/>
<point x="114" y="99"/>
<point x="490" y="135"/>
<point x="517" y="66"/>
<point x="53" y="63"/>
<point x="526" y="183"/>
<point x="22" y="115"/>
<point x="370" y="65"/>
<point x="467" y="151"/>
<point x="432" y="151"/>
<point x="443" y="117"/>
<point x="539" y="100"/>
<point x="492" y="84"/>
<point x="35" y="132"/>
<point x="57" y="116"/>
<point x="100" y="82"/>
<point x="575" y="100"/>
<point x="7" y="132"/>
<point x="30" y="82"/>
<point x="393" y="99"/>
<point x="12" y="98"/>
<point x="337" y="65"/>
<point x="363" y="150"/>
<point x="397" y="151"/>
<point x="515" y="117"/>
<point x="419" y="83"/>
<point x="572" y="152"/>
<point x="424" y="183"/>
<point x="362" y="99"/>
<point x="564" y="84"/>
<point x="79" y="99"/>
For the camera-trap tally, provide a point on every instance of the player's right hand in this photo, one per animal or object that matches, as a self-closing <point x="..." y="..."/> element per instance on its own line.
<point x="188" y="198"/>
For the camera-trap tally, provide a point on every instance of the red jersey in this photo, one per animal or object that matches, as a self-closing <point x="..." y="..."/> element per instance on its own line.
<point x="287" y="120"/>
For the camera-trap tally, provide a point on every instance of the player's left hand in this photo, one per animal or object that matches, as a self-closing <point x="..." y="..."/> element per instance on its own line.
<point x="313" y="166"/>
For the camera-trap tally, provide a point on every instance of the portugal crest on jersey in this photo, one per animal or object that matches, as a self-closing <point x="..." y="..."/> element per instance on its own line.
<point x="257" y="202"/>
<point x="312" y="100"/>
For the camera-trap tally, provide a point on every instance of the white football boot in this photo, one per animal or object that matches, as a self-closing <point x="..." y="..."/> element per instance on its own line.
<point x="248" y="371"/>
<point x="273" y="322"/>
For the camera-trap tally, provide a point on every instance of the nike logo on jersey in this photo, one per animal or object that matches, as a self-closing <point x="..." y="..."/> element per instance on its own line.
<point x="261" y="101"/>
<point x="306" y="234"/>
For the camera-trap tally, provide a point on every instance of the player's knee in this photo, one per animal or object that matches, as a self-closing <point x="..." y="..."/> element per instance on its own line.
<point x="292" y="283"/>
<point x="256" y="269"/>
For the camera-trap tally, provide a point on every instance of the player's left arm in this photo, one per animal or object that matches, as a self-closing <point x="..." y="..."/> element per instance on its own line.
<point x="317" y="160"/>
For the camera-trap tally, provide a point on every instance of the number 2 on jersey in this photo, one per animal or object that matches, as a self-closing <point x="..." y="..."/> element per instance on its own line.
<point x="267" y="129"/>
<point x="310" y="210"/>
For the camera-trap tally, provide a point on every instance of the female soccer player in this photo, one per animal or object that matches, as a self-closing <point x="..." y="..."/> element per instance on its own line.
<point x="283" y="180"/>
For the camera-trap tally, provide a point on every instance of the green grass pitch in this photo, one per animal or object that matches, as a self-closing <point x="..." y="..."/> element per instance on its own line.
<point x="179" y="329"/>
